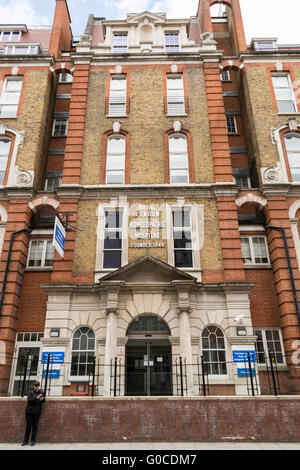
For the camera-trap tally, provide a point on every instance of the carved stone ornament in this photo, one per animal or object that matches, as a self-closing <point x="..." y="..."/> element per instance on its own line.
<point x="119" y="69"/>
<point x="177" y="126"/>
<point x="293" y="124"/>
<point x="271" y="174"/>
<point x="116" y="127"/>
<point x="3" y="128"/>
<point x="22" y="177"/>
<point x="174" y="68"/>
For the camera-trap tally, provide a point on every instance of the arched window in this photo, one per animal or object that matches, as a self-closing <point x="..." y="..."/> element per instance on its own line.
<point x="213" y="350"/>
<point x="115" y="159"/>
<point x="83" y="352"/>
<point x="292" y="145"/>
<point x="4" y="153"/>
<point x="178" y="158"/>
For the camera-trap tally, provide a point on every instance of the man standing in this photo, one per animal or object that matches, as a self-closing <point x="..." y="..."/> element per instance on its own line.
<point x="33" y="412"/>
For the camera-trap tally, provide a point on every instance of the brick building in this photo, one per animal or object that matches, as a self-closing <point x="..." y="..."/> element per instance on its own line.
<point x="172" y="147"/>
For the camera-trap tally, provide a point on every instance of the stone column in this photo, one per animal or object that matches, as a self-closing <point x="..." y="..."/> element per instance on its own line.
<point x="185" y="347"/>
<point x="110" y="346"/>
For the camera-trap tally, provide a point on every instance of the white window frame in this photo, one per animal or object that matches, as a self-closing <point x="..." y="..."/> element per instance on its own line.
<point x="6" y="156"/>
<point x="245" y="178"/>
<point x="197" y="221"/>
<point x="258" y="45"/>
<point x="175" y="104"/>
<point x="290" y="87"/>
<point x="13" y="50"/>
<point x="231" y="125"/>
<point x="216" y="376"/>
<point x="5" y="92"/>
<point x="186" y="169"/>
<point x="51" y="187"/>
<point x="119" y="102"/>
<point x="112" y="154"/>
<point x="123" y="48"/>
<point x="54" y="125"/>
<point x="11" y="36"/>
<point x="291" y="152"/>
<point x="265" y="346"/>
<point x="252" y="253"/>
<point x="176" y="44"/>
<point x="225" y="76"/>
<point x="80" y="378"/>
<point x="23" y="344"/>
<point x="65" y="77"/>
<point x="43" y="258"/>
<point x="121" y="206"/>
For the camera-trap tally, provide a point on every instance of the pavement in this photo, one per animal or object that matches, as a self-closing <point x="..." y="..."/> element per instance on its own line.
<point x="150" y="446"/>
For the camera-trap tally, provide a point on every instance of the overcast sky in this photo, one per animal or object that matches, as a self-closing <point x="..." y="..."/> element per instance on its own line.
<point x="262" y="18"/>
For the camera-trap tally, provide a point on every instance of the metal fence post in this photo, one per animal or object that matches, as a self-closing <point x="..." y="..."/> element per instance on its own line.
<point x="203" y="376"/>
<point x="251" y="377"/>
<point x="115" y="378"/>
<point x="181" y="376"/>
<point x="93" y="381"/>
<point x="272" y="373"/>
<point x="47" y="373"/>
<point x="25" y="372"/>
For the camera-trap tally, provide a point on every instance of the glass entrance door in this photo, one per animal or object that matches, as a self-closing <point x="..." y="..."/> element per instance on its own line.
<point x="148" y="367"/>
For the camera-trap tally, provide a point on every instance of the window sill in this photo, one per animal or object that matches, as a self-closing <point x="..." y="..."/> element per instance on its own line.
<point x="111" y="116"/>
<point x="257" y="266"/>
<point x="8" y="117"/>
<point x="39" y="269"/>
<point x="79" y="379"/>
<point x="289" y="114"/>
<point x="280" y="367"/>
<point x="176" y="115"/>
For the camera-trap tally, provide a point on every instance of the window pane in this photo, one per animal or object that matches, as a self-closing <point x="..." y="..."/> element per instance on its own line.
<point x="116" y="162"/>
<point x="8" y="110"/>
<point x="292" y="142"/>
<point x="246" y="252"/>
<point x="113" y="219"/>
<point x="118" y="84"/>
<point x="112" y="259"/>
<point x="284" y="94"/>
<point x="179" y="176"/>
<point x="178" y="161"/>
<point x="4" y="147"/>
<point x="181" y="218"/>
<point x="183" y="259"/>
<point x="116" y="145"/>
<point x="182" y="239"/>
<point x="286" y="107"/>
<point x="113" y="241"/>
<point x="13" y="85"/>
<point x="11" y="98"/>
<point x="177" y="144"/>
<point x="281" y="81"/>
<point x="260" y="250"/>
<point x="115" y="177"/>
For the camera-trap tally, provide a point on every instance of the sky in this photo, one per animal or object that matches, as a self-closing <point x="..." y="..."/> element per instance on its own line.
<point x="262" y="18"/>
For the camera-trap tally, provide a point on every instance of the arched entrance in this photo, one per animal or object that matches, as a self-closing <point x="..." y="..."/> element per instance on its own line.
<point x="148" y="357"/>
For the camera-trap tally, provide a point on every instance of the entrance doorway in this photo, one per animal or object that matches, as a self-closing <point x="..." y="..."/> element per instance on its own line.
<point x="148" y="358"/>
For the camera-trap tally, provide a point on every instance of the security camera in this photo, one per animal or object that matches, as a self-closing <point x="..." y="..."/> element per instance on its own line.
<point x="238" y="318"/>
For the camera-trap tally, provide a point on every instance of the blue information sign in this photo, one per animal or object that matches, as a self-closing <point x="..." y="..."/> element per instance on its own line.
<point x="59" y="237"/>
<point x="56" y="357"/>
<point x="242" y="356"/>
<point x="53" y="373"/>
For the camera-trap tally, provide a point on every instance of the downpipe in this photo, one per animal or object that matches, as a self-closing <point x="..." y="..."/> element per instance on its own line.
<point x="272" y="227"/>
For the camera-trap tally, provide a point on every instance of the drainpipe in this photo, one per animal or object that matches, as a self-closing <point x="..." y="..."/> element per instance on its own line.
<point x="289" y="266"/>
<point x="12" y="237"/>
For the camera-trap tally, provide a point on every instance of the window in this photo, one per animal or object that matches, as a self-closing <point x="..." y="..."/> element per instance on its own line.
<point x="225" y="76"/>
<point x="182" y="238"/>
<point x="120" y="43"/>
<point x="21" y="50"/>
<point x="65" y="78"/>
<point x="265" y="45"/>
<point x="112" y="249"/>
<point x="60" y="127"/>
<point x="41" y="254"/>
<point x="254" y="250"/>
<point x="115" y="159"/>
<point x="83" y="352"/>
<point x="292" y="145"/>
<point x="52" y="183"/>
<point x="213" y="350"/>
<point x="172" y="42"/>
<point x="243" y="181"/>
<point x="231" y="124"/>
<point x="117" y="95"/>
<point x="175" y="95"/>
<point x="4" y="153"/>
<point x="268" y="340"/>
<point x="284" y="93"/>
<point x="178" y="159"/>
<point x="6" y="36"/>
<point x="10" y="97"/>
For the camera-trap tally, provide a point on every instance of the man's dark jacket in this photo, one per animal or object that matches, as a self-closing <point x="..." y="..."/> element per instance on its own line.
<point x="34" y="404"/>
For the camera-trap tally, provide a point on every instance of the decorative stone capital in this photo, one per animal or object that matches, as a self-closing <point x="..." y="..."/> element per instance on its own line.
<point x="114" y="310"/>
<point x="183" y="309"/>
<point x="3" y="128"/>
<point x="177" y="126"/>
